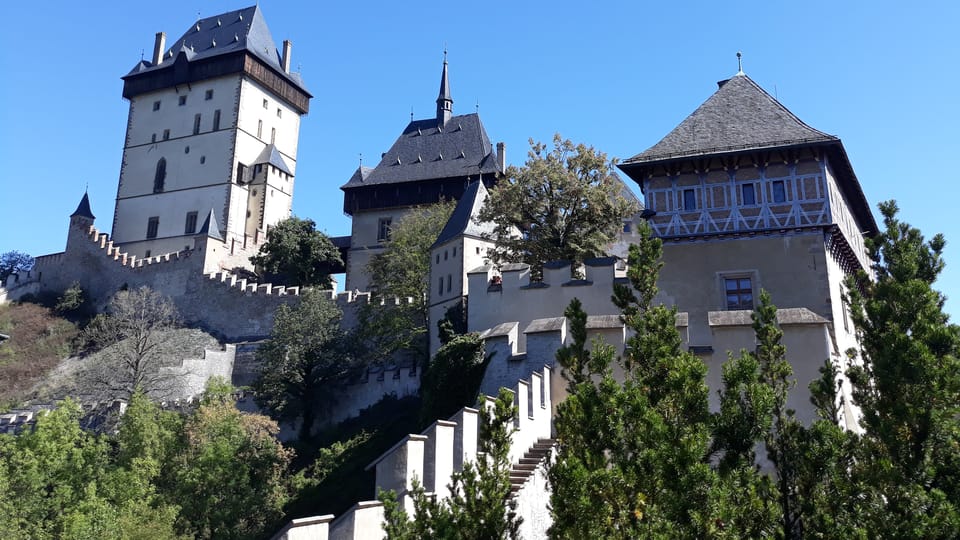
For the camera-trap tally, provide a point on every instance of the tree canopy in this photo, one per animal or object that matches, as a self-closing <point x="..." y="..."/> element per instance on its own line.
<point x="298" y="254"/>
<point x="564" y="203"/>
<point x="304" y="359"/>
<point x="13" y="262"/>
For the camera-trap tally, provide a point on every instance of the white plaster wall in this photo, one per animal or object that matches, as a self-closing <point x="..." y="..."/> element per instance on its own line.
<point x="533" y="501"/>
<point x="840" y="212"/>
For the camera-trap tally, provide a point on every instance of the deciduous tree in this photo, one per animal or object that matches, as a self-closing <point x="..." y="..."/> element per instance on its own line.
<point x="565" y="203"/>
<point x="303" y="362"/>
<point x="298" y="254"/>
<point x="13" y="262"/>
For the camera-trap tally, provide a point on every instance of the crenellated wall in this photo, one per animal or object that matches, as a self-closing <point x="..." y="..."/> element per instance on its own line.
<point x="434" y="455"/>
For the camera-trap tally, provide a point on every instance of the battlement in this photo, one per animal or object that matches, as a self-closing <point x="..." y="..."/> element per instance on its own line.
<point x="432" y="456"/>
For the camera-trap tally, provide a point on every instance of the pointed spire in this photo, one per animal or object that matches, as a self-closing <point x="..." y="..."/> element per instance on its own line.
<point x="83" y="209"/>
<point x="444" y="101"/>
<point x="210" y="227"/>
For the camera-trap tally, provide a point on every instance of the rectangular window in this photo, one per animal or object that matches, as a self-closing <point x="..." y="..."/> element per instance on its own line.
<point x="191" y="225"/>
<point x="273" y="135"/>
<point x="689" y="200"/>
<point x="146" y="254"/>
<point x="156" y="105"/>
<point x="196" y="124"/>
<point x="749" y="196"/>
<point x="216" y="119"/>
<point x="166" y="134"/>
<point x="441" y="285"/>
<point x="266" y="104"/>
<point x="739" y="293"/>
<point x="279" y="112"/>
<point x="259" y="129"/>
<point x="779" y="193"/>
<point x="626" y="226"/>
<point x="182" y="101"/>
<point x="208" y="95"/>
<point x="241" y="170"/>
<point x="152" y="225"/>
<point x="383" y="230"/>
<point x="449" y="281"/>
<point x="153" y="137"/>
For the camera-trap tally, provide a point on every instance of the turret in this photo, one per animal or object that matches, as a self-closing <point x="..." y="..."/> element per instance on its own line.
<point x="80" y="222"/>
<point x="444" y="101"/>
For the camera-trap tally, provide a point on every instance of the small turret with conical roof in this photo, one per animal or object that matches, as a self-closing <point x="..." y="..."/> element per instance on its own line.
<point x="80" y="222"/>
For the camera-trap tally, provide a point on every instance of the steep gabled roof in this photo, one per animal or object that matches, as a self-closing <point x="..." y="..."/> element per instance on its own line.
<point x="243" y="29"/>
<point x="738" y="116"/>
<point x="210" y="227"/>
<point x="462" y="220"/>
<point x="271" y="156"/>
<point x="425" y="150"/>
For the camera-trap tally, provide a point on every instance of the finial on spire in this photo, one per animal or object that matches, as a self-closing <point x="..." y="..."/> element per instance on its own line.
<point x="478" y="106"/>
<point x="411" y="113"/>
<point x="739" y="63"/>
<point x="361" y="159"/>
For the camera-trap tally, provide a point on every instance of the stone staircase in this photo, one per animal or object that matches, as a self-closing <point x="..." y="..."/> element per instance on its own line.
<point x="532" y="460"/>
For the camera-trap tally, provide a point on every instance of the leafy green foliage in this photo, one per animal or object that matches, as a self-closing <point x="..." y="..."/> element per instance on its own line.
<point x="907" y="384"/>
<point x="72" y="300"/>
<point x="480" y="506"/>
<point x="402" y="270"/>
<point x="565" y="202"/>
<point x="452" y="378"/>
<point x="14" y="262"/>
<point x="296" y="253"/>
<point x="633" y="457"/>
<point x="306" y="354"/>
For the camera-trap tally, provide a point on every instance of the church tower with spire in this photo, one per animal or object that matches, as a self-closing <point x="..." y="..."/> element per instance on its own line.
<point x="213" y="126"/>
<point x="433" y="159"/>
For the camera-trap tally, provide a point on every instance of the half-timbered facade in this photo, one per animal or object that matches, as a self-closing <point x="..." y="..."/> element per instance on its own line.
<point x="746" y="196"/>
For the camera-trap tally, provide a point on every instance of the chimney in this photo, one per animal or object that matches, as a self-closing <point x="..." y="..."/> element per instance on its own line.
<point x="502" y="155"/>
<point x="286" y="55"/>
<point x="158" y="47"/>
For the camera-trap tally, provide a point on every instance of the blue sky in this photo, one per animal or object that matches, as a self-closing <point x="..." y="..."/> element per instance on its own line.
<point x="619" y="76"/>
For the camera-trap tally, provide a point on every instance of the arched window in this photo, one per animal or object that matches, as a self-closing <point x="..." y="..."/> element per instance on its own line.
<point x="160" y="176"/>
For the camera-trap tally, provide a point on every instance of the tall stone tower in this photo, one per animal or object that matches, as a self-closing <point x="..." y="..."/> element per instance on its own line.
<point x="213" y="125"/>
<point x="433" y="159"/>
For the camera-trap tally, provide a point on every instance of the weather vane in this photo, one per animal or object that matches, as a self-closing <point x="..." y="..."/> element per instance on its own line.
<point x="739" y="62"/>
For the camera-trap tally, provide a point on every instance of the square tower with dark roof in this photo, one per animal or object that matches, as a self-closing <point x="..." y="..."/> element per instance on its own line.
<point x="746" y="196"/>
<point x="213" y="125"/>
<point x="432" y="159"/>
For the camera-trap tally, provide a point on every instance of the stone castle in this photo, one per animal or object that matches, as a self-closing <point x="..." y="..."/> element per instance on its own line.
<point x="743" y="194"/>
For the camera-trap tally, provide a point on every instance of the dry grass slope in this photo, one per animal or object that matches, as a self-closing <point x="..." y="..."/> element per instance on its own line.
<point x="39" y="339"/>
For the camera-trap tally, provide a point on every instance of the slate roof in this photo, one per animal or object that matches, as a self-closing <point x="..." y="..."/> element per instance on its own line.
<point x="738" y="116"/>
<point x="243" y="29"/>
<point x="210" y="227"/>
<point x="426" y="151"/>
<point x="271" y="155"/>
<point x="83" y="209"/>
<point x="462" y="219"/>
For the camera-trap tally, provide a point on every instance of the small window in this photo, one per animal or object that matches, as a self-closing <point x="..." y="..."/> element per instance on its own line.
<point x="156" y="105"/>
<point x="266" y="104"/>
<point x="152" y="225"/>
<point x="454" y="252"/>
<point x="146" y="254"/>
<point x="478" y="250"/>
<point x="208" y="95"/>
<point x="259" y="129"/>
<point x="749" y="196"/>
<point x="273" y="135"/>
<point x="153" y="137"/>
<point x="190" y="226"/>
<point x="203" y="159"/>
<point x="182" y="101"/>
<point x="241" y="172"/>
<point x="279" y="112"/>
<point x="739" y="293"/>
<point x="441" y="285"/>
<point x="449" y="282"/>
<point x="216" y="119"/>
<point x="196" y="124"/>
<point x="843" y="308"/>
<point x="160" y="175"/>
<point x="627" y="226"/>
<point x="445" y="254"/>
<point x="186" y="149"/>
<point x="438" y="259"/>
<point x="383" y="230"/>
<point x="166" y="134"/>
<point x="689" y="200"/>
<point x="779" y="193"/>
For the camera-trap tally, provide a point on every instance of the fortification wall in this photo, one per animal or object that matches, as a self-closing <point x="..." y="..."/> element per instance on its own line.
<point x="192" y="374"/>
<point x="434" y="455"/>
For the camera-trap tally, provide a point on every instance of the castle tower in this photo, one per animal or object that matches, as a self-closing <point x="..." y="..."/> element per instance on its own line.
<point x="746" y="196"/>
<point x="214" y="123"/>
<point x="432" y="159"/>
<point x="80" y="222"/>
